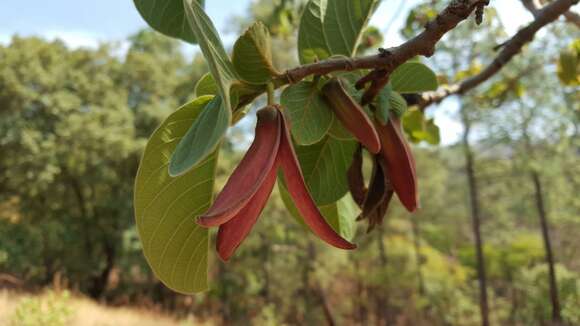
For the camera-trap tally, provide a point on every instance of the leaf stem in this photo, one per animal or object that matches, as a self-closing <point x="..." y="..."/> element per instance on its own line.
<point x="270" y="90"/>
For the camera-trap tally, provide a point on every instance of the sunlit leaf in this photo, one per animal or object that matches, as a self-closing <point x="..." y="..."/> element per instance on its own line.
<point x="413" y="77"/>
<point x="252" y="55"/>
<point x="330" y="27"/>
<point x="167" y="17"/>
<point x="309" y="114"/>
<point x="219" y="63"/>
<point x="206" y="86"/>
<point x="176" y="248"/>
<point x="202" y="138"/>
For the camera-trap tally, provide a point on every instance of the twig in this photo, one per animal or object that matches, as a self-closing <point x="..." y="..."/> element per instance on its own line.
<point x="510" y="49"/>
<point x="422" y="44"/>
<point x="534" y="6"/>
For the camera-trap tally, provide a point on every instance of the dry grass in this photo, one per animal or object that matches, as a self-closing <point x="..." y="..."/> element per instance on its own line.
<point x="85" y="312"/>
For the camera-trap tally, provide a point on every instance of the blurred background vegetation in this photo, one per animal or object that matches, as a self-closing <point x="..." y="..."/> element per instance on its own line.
<point x="73" y="124"/>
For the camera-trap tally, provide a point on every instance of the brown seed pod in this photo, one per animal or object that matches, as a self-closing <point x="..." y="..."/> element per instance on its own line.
<point x="351" y="115"/>
<point x="400" y="163"/>
<point x="242" y="200"/>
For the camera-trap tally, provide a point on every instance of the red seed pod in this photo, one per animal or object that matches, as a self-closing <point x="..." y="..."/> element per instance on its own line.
<point x="299" y="193"/>
<point x="250" y="174"/>
<point x="351" y="115"/>
<point x="400" y="163"/>
<point x="378" y="197"/>
<point x="246" y="193"/>
<point x="232" y="233"/>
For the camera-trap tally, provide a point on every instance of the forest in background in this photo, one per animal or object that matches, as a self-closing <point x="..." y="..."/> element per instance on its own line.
<point x="74" y="123"/>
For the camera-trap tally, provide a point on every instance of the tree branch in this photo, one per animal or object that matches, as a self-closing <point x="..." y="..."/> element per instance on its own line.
<point x="422" y="44"/>
<point x="534" y="6"/>
<point x="510" y="49"/>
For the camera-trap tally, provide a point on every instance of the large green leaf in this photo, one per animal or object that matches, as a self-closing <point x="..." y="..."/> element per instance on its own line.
<point x="413" y="77"/>
<point x="309" y="114"/>
<point x="325" y="166"/>
<point x="332" y="27"/>
<point x="167" y="17"/>
<point x="252" y="56"/>
<point x="202" y="138"/>
<point x="340" y="215"/>
<point x="213" y="50"/>
<point x="165" y="207"/>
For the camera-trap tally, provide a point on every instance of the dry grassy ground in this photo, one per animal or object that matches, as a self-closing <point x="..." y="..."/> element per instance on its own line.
<point x="24" y="309"/>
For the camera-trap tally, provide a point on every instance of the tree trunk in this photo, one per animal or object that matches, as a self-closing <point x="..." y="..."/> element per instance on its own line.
<point x="99" y="283"/>
<point x="476" y="222"/>
<point x="418" y="258"/>
<point x="382" y="298"/>
<point x="554" y="298"/>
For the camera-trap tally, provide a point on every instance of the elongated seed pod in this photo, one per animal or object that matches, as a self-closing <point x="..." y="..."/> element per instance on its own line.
<point x="379" y="195"/>
<point x="232" y="233"/>
<point x="299" y="193"/>
<point x="377" y="190"/>
<point x="400" y="163"/>
<point x="351" y="115"/>
<point x="251" y="173"/>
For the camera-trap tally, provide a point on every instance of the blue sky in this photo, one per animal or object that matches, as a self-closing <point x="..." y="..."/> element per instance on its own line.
<point x="86" y="23"/>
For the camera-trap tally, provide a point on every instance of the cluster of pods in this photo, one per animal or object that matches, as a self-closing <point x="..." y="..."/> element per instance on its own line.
<point x="240" y="203"/>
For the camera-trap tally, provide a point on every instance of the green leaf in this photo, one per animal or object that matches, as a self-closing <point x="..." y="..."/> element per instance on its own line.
<point x="332" y="27"/>
<point x="206" y="86"/>
<point x="252" y="55"/>
<point x="569" y="67"/>
<point x="176" y="248"/>
<point x="420" y="129"/>
<point x="167" y="17"/>
<point x="413" y="77"/>
<point x="339" y="131"/>
<point x="341" y="215"/>
<point x="389" y="101"/>
<point x="219" y="63"/>
<point x="433" y="136"/>
<point x="325" y="166"/>
<point x="309" y="114"/>
<point x="383" y="106"/>
<point x="202" y="138"/>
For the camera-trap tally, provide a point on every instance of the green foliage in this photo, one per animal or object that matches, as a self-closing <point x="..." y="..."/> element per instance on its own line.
<point x="420" y="128"/>
<point x="167" y="17"/>
<point x="52" y="309"/>
<point x="325" y="166"/>
<point x="338" y="215"/>
<point x="389" y="101"/>
<point x="308" y="112"/>
<point x="252" y="55"/>
<point x="569" y="64"/>
<point x="165" y="207"/>
<point x="537" y="306"/>
<point x="332" y="27"/>
<point x="202" y="138"/>
<point x="219" y="63"/>
<point x="413" y="77"/>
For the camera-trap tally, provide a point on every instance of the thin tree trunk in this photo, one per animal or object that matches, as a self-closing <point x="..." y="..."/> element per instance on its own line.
<point x="554" y="298"/>
<point x="418" y="259"/>
<point x="382" y="299"/>
<point x="476" y="222"/>
<point x="99" y="283"/>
